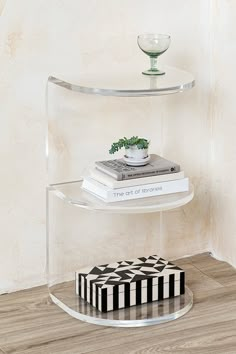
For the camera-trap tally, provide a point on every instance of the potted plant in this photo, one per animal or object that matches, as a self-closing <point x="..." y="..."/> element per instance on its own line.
<point x="136" y="150"/>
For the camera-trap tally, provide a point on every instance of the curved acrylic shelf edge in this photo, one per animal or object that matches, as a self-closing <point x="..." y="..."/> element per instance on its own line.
<point x="134" y="206"/>
<point x="172" y="315"/>
<point x="169" y="88"/>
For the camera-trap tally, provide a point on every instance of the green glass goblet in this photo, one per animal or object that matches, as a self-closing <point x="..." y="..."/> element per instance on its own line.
<point x="153" y="45"/>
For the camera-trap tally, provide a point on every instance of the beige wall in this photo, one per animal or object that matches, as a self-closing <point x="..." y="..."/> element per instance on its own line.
<point x="67" y="37"/>
<point x="223" y="162"/>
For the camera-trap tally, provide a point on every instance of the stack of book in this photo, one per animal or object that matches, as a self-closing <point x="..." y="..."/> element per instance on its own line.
<point x="114" y="180"/>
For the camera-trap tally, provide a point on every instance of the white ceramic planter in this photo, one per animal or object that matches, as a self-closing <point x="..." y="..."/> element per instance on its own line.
<point x="136" y="154"/>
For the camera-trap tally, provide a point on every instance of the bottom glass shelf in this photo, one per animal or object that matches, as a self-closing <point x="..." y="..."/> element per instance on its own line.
<point x="156" y="312"/>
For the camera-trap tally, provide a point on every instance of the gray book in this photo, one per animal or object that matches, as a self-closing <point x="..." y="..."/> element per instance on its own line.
<point x="119" y="170"/>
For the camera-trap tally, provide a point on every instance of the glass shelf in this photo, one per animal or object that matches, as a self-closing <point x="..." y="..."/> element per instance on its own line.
<point x="131" y="84"/>
<point x="73" y="194"/>
<point x="156" y="312"/>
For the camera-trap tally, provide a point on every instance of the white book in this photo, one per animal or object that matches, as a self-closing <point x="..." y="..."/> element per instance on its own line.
<point x="112" y="183"/>
<point x="141" y="191"/>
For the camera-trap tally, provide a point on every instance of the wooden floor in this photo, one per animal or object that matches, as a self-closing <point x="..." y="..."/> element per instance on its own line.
<point x="31" y="324"/>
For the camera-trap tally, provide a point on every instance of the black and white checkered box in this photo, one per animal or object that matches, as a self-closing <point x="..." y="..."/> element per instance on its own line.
<point x="126" y="283"/>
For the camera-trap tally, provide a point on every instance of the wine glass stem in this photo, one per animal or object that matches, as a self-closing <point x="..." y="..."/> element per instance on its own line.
<point x="153" y="61"/>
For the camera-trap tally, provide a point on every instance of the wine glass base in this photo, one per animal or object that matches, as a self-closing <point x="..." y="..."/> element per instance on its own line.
<point x="153" y="72"/>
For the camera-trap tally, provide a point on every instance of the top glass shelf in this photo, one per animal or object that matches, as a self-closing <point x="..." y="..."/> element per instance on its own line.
<point x="129" y="85"/>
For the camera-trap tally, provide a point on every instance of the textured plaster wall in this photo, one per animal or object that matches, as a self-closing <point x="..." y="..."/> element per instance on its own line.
<point x="68" y="37"/>
<point x="223" y="129"/>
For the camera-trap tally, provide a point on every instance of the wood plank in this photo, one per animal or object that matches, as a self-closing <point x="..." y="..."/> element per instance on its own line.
<point x="198" y="281"/>
<point x="222" y="273"/>
<point x="31" y="324"/>
<point x="110" y="337"/>
<point x="217" y="339"/>
<point x="200" y="261"/>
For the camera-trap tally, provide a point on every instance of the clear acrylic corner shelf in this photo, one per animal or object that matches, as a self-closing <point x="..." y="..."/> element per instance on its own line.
<point x="134" y="84"/>
<point x="62" y="238"/>
<point x="73" y="194"/>
<point x="156" y="312"/>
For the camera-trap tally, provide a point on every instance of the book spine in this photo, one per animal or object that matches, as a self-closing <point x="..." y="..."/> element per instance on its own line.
<point x="121" y="176"/>
<point x="142" y="191"/>
<point x="114" y="184"/>
<point x="139" y="174"/>
<point x="148" y="190"/>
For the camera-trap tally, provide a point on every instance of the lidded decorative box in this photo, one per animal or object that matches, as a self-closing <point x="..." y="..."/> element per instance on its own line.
<point x="127" y="283"/>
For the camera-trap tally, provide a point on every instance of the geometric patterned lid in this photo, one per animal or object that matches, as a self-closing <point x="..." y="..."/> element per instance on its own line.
<point x="123" y="272"/>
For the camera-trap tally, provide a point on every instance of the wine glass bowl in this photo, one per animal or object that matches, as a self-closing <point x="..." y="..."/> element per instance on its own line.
<point x="153" y="45"/>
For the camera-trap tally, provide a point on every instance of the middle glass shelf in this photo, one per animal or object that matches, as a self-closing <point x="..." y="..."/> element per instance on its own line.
<point x="72" y="193"/>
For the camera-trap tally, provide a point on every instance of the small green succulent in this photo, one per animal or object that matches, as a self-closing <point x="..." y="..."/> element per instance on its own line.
<point x="141" y="143"/>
